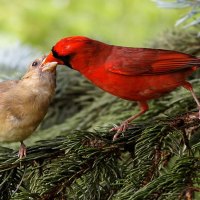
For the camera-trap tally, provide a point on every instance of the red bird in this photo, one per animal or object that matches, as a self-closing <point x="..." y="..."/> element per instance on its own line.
<point x="135" y="74"/>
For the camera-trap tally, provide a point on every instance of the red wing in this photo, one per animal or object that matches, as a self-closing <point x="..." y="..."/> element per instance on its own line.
<point x="141" y="61"/>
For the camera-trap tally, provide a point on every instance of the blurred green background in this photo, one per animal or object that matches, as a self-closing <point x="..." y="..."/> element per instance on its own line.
<point x="123" y="22"/>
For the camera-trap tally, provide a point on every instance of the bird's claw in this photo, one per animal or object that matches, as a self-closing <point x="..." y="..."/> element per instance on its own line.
<point x="120" y="129"/>
<point x="22" y="151"/>
<point x="115" y="128"/>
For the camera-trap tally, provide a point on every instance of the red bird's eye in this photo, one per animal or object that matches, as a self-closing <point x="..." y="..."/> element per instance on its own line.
<point x="35" y="63"/>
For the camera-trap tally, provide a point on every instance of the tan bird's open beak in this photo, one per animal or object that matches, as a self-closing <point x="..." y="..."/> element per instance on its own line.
<point x="50" y="66"/>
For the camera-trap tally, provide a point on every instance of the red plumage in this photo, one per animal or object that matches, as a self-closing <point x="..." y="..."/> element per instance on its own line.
<point x="136" y="74"/>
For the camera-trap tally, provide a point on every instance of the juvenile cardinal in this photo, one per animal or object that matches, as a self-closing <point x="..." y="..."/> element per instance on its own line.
<point x="24" y="102"/>
<point x="135" y="74"/>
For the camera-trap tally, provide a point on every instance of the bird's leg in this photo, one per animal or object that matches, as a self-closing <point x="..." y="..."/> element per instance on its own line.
<point x="124" y="125"/>
<point x="22" y="150"/>
<point x="188" y="86"/>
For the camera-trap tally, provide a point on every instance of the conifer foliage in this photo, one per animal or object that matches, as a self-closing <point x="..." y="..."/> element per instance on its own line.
<point x="72" y="156"/>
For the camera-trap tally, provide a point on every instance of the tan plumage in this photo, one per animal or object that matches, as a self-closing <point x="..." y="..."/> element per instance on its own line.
<point x="24" y="103"/>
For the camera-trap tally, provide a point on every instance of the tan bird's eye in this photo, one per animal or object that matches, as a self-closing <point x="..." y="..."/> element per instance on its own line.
<point x="35" y="63"/>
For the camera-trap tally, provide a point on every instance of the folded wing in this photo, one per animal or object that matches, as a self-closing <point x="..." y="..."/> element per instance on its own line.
<point x="144" y="61"/>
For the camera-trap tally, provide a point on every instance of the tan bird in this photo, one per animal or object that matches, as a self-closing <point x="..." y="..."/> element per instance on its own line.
<point x="24" y="102"/>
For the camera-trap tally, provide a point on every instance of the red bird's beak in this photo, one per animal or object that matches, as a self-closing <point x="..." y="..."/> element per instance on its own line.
<point x="51" y="58"/>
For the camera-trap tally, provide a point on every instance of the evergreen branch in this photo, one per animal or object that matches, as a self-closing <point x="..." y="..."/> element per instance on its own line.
<point x="170" y="185"/>
<point x="180" y="176"/>
<point x="64" y="162"/>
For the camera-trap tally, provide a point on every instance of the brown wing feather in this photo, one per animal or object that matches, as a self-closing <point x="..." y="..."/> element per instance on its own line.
<point x="137" y="61"/>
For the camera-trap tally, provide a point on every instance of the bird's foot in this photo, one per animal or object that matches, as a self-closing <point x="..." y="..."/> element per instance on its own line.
<point x="120" y="129"/>
<point x="22" y="151"/>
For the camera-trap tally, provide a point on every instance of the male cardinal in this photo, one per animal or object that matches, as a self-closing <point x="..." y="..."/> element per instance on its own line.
<point x="135" y="74"/>
<point x="24" y="103"/>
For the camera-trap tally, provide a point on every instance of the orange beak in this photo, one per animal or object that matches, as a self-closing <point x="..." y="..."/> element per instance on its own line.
<point x="51" y="58"/>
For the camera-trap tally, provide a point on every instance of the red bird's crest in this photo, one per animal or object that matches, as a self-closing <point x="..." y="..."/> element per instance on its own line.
<point x="67" y="45"/>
